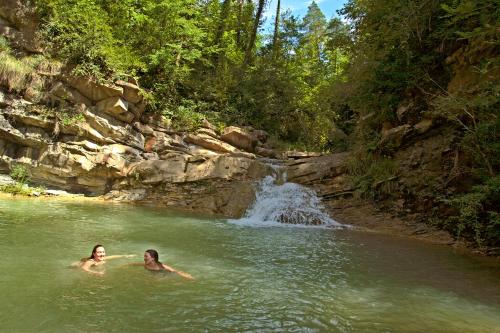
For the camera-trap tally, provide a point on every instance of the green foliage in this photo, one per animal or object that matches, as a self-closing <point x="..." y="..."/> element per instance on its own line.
<point x="20" y="173"/>
<point x="69" y="119"/>
<point x="312" y="83"/>
<point x="394" y="52"/>
<point x="88" y="46"/>
<point x="477" y="213"/>
<point x="14" y="73"/>
<point x="373" y="176"/>
<point x="4" y="44"/>
<point x="187" y="116"/>
<point x="21" y="189"/>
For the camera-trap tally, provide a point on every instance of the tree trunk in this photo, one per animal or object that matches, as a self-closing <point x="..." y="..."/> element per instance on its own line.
<point x="276" y="31"/>
<point x="224" y="14"/>
<point x="241" y="3"/>
<point x="253" y="36"/>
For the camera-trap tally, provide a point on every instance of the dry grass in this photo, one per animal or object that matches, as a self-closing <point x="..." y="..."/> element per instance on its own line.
<point x="14" y="73"/>
<point x="27" y="73"/>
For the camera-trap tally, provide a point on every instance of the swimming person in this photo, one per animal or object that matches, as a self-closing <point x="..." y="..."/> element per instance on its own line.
<point x="151" y="263"/>
<point x="98" y="258"/>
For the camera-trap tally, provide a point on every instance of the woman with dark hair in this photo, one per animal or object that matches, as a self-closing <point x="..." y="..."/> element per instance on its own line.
<point x="98" y="258"/>
<point x="152" y="263"/>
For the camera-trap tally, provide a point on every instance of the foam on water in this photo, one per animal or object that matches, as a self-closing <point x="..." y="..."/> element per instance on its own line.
<point x="280" y="203"/>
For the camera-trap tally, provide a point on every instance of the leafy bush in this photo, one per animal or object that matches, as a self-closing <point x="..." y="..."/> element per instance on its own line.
<point x="4" y="44"/>
<point x="373" y="176"/>
<point x="186" y="116"/>
<point x="88" y="45"/>
<point x="20" y="174"/>
<point x="477" y="213"/>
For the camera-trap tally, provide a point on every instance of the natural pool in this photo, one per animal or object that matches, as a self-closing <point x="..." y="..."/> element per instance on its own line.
<point x="248" y="279"/>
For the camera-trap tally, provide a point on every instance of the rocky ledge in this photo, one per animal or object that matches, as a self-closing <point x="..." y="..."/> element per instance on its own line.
<point x="104" y="144"/>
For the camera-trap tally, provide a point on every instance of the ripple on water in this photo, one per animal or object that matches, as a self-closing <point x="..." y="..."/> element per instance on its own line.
<point x="247" y="279"/>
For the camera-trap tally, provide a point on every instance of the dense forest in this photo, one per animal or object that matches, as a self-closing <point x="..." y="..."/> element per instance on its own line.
<point x="314" y="83"/>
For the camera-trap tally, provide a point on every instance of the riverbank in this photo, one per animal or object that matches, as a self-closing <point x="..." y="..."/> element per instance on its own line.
<point x="365" y="216"/>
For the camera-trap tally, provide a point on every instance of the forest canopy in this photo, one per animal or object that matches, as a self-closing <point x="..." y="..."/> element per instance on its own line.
<point x="313" y="82"/>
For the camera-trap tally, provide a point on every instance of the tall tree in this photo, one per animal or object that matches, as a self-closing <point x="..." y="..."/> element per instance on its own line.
<point x="338" y="43"/>
<point x="314" y="29"/>
<point x="223" y="17"/>
<point x="253" y="33"/>
<point x="239" y="26"/>
<point x="276" y="30"/>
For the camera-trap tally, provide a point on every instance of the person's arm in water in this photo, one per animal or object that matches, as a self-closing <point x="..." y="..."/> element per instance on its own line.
<point x="118" y="256"/>
<point x="183" y="274"/>
<point x="86" y="266"/>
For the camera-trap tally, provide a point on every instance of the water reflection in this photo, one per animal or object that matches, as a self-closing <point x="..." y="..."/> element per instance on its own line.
<point x="247" y="279"/>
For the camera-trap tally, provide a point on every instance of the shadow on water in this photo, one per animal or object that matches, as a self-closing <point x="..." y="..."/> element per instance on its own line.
<point x="268" y="278"/>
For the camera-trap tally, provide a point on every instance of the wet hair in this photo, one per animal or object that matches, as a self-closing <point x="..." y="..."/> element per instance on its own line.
<point x="154" y="255"/>
<point x="93" y="251"/>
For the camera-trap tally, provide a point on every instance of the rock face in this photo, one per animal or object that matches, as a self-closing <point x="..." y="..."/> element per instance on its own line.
<point x="313" y="169"/>
<point x="240" y="138"/>
<point x="19" y="24"/>
<point x="101" y="150"/>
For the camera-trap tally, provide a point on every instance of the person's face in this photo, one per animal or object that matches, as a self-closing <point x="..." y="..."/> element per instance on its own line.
<point x="99" y="254"/>
<point x="148" y="258"/>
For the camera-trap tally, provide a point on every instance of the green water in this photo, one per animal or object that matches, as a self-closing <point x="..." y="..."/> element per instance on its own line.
<point x="248" y="279"/>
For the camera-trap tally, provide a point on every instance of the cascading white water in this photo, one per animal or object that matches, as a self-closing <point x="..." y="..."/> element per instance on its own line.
<point x="278" y="202"/>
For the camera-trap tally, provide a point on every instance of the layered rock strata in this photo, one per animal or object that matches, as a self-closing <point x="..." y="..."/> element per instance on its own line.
<point x="105" y="145"/>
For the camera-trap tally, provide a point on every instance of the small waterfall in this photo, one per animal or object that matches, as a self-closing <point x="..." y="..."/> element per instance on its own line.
<point x="278" y="202"/>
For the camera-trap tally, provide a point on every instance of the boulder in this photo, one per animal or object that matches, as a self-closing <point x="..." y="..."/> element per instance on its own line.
<point x="85" y="130"/>
<point x="207" y="131"/>
<point x="111" y="128"/>
<point x="261" y="135"/>
<point x="118" y="158"/>
<point x="308" y="170"/>
<point x="22" y="117"/>
<point x="265" y="152"/>
<point x="25" y="136"/>
<point x="137" y="109"/>
<point x="116" y="107"/>
<point x="20" y="30"/>
<point x="208" y="142"/>
<point x="160" y="171"/>
<point x="206" y="124"/>
<point x="161" y="142"/>
<point x="242" y="154"/>
<point x="156" y="121"/>
<point x="142" y="128"/>
<point x="131" y="92"/>
<point x="6" y="180"/>
<point x="150" y="156"/>
<point x="424" y="125"/>
<point x="394" y="136"/>
<point x="59" y="90"/>
<point x="225" y="167"/>
<point x="239" y="138"/>
<point x="197" y="150"/>
<point x="126" y="195"/>
<point x="94" y="91"/>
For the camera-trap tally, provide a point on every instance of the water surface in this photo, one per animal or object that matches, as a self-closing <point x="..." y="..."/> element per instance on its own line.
<point x="248" y="279"/>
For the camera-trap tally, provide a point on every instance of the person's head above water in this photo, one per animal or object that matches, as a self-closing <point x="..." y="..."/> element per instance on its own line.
<point x="151" y="256"/>
<point x="98" y="253"/>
